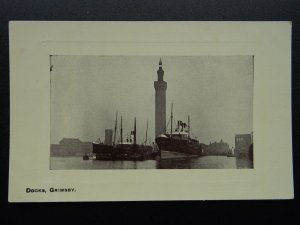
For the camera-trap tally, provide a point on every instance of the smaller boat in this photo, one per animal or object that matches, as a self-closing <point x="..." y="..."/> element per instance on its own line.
<point x="231" y="153"/>
<point x="85" y="157"/>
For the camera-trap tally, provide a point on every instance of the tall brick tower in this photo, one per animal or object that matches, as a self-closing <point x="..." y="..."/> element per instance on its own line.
<point x="160" y="102"/>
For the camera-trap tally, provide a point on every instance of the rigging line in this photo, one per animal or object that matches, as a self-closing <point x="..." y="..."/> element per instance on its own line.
<point x="168" y="122"/>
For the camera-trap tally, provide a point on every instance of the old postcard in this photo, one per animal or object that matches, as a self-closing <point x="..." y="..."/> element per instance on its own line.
<point x="124" y="111"/>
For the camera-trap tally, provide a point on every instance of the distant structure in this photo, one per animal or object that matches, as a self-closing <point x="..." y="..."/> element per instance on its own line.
<point x="70" y="147"/>
<point x="243" y="143"/>
<point x="108" y="136"/>
<point x="160" y="102"/>
<point x="216" y="148"/>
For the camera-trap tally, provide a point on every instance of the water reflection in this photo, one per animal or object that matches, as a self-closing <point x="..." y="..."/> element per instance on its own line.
<point x="205" y="162"/>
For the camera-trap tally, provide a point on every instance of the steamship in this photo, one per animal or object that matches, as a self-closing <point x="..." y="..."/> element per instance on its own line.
<point x="126" y="149"/>
<point x="179" y="140"/>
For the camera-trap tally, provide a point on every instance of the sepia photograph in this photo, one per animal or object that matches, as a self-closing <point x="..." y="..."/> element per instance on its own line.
<point x="151" y="112"/>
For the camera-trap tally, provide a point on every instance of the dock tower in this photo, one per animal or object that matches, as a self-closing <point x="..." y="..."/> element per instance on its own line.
<point x="160" y="102"/>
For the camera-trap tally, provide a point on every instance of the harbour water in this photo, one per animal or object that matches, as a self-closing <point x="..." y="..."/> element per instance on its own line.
<point x="204" y="162"/>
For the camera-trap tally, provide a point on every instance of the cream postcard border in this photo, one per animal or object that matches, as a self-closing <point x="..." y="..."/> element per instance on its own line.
<point x="31" y="43"/>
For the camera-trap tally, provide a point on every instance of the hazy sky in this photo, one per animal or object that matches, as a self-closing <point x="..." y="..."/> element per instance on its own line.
<point x="86" y="92"/>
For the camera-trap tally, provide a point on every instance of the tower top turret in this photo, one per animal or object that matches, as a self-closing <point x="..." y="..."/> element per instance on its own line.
<point x="160" y="71"/>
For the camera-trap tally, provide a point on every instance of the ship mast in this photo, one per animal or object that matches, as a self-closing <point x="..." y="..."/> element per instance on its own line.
<point x="146" y="134"/>
<point x="171" y="119"/>
<point x="115" y="133"/>
<point x="51" y="66"/>
<point x="189" y="125"/>
<point x="134" y="138"/>
<point x="121" y="131"/>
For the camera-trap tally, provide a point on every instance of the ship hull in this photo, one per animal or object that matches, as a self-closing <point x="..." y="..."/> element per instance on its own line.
<point x="177" y="145"/>
<point x="102" y="148"/>
<point x="123" y="152"/>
